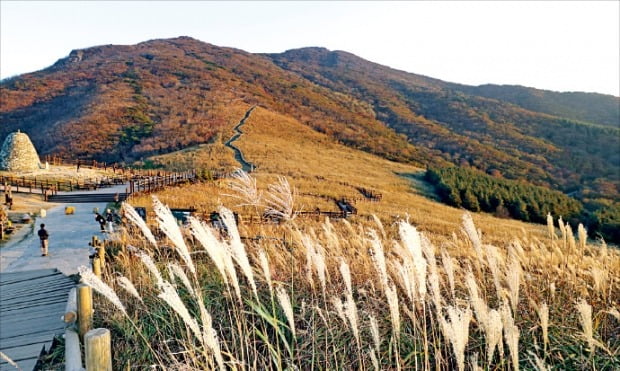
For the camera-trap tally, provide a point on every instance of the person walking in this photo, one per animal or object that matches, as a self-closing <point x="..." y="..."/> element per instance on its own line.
<point x="101" y="220"/>
<point x="43" y="236"/>
<point x="110" y="220"/>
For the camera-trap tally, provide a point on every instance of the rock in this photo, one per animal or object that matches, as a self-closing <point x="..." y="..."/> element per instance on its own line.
<point x="18" y="153"/>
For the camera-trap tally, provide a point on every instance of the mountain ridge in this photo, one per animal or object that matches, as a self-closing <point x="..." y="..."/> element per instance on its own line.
<point x="121" y="103"/>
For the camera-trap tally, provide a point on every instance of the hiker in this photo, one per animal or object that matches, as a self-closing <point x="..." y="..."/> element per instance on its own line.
<point x="110" y="220"/>
<point x="101" y="220"/>
<point x="43" y="236"/>
<point x="8" y="198"/>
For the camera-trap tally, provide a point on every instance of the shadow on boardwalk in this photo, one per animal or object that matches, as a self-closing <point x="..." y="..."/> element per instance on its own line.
<point x="31" y="306"/>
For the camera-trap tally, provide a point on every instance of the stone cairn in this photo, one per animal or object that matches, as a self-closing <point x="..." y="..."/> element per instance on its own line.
<point x="18" y="153"/>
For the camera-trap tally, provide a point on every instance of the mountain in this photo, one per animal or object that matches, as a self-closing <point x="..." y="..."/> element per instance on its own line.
<point x="589" y="107"/>
<point x="490" y="134"/>
<point x="121" y="103"/>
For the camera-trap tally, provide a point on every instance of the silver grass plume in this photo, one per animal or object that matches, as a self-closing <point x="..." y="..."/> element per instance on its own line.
<point x="137" y="220"/>
<point x="511" y="334"/>
<point x="405" y="274"/>
<point x="339" y="306"/>
<point x="583" y="237"/>
<point x="513" y="279"/>
<point x="168" y="225"/>
<point x="492" y="254"/>
<point x="9" y="360"/>
<point x="433" y="276"/>
<point x="378" y="258"/>
<point x="316" y="259"/>
<point x="280" y="200"/>
<point x="308" y="244"/>
<point x="237" y="248"/>
<point x="448" y="266"/>
<point x="379" y="225"/>
<point x="349" y="306"/>
<point x="562" y="230"/>
<point x="392" y="298"/>
<point x="585" y="317"/>
<point x="543" y="314"/>
<point x="570" y="237"/>
<point x="345" y="272"/>
<point x="171" y="297"/>
<point x="128" y="286"/>
<point x="177" y="271"/>
<point x="457" y="331"/>
<point x="472" y="233"/>
<point x="411" y="239"/>
<point x="88" y="277"/>
<point x="210" y="243"/>
<point x="550" y="227"/>
<point x="245" y="188"/>
<point x="150" y="265"/>
<point x="285" y="303"/>
<point x="374" y="331"/>
<point x="539" y="364"/>
<point x="264" y="263"/>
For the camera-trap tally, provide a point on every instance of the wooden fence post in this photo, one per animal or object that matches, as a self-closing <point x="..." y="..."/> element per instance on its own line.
<point x="101" y="252"/>
<point x="85" y="308"/>
<point x="97" y="266"/>
<point x="98" y="349"/>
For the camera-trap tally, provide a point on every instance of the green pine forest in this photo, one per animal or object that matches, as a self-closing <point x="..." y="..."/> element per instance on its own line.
<point x="477" y="191"/>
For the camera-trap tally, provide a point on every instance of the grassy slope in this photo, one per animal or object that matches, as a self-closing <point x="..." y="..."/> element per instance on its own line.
<point x="314" y="163"/>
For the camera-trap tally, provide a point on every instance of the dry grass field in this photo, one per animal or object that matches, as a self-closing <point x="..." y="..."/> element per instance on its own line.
<point x="314" y="164"/>
<point x="407" y="283"/>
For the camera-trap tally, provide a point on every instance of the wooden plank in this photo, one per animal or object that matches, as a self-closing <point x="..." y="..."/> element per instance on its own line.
<point x="13" y="277"/>
<point x="25" y="364"/>
<point x="34" y="328"/>
<point x="53" y="289"/>
<point x="35" y="282"/>
<point x="49" y="311"/>
<point x="32" y="312"/>
<point x="33" y="295"/>
<point x="26" y="352"/>
<point x="22" y="340"/>
<point x="41" y="301"/>
<point x="31" y="306"/>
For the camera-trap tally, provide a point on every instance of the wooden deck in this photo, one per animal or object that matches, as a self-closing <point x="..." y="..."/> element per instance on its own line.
<point x="31" y="306"/>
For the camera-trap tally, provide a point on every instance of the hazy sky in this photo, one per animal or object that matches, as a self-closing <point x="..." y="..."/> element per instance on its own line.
<point x="562" y="46"/>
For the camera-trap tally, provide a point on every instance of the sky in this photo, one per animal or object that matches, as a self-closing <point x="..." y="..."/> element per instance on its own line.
<point x="556" y="45"/>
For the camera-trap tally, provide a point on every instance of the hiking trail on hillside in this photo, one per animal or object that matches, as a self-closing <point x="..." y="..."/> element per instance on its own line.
<point x="246" y="166"/>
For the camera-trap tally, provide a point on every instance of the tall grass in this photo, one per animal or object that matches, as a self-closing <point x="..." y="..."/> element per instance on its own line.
<point x="342" y="296"/>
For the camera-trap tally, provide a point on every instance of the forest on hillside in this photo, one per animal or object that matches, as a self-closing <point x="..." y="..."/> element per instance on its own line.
<point x="476" y="191"/>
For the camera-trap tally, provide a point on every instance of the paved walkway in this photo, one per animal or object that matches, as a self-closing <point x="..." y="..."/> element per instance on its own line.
<point x="33" y="292"/>
<point x="68" y="242"/>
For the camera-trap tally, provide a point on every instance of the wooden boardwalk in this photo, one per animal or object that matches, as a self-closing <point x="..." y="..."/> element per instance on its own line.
<point x="31" y="306"/>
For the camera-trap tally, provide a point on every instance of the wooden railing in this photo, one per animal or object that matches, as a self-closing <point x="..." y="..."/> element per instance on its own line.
<point x="47" y="186"/>
<point x="148" y="184"/>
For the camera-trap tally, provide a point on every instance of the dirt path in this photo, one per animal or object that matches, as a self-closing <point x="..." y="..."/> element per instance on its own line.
<point x="245" y="165"/>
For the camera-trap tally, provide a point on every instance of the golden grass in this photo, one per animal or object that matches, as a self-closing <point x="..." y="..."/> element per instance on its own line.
<point x="317" y="165"/>
<point x="363" y="311"/>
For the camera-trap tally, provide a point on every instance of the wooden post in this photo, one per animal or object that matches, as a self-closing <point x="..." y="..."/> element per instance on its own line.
<point x="71" y="307"/>
<point x="73" y="355"/>
<point x="97" y="266"/>
<point x="85" y="308"/>
<point x="98" y="348"/>
<point x="101" y="252"/>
